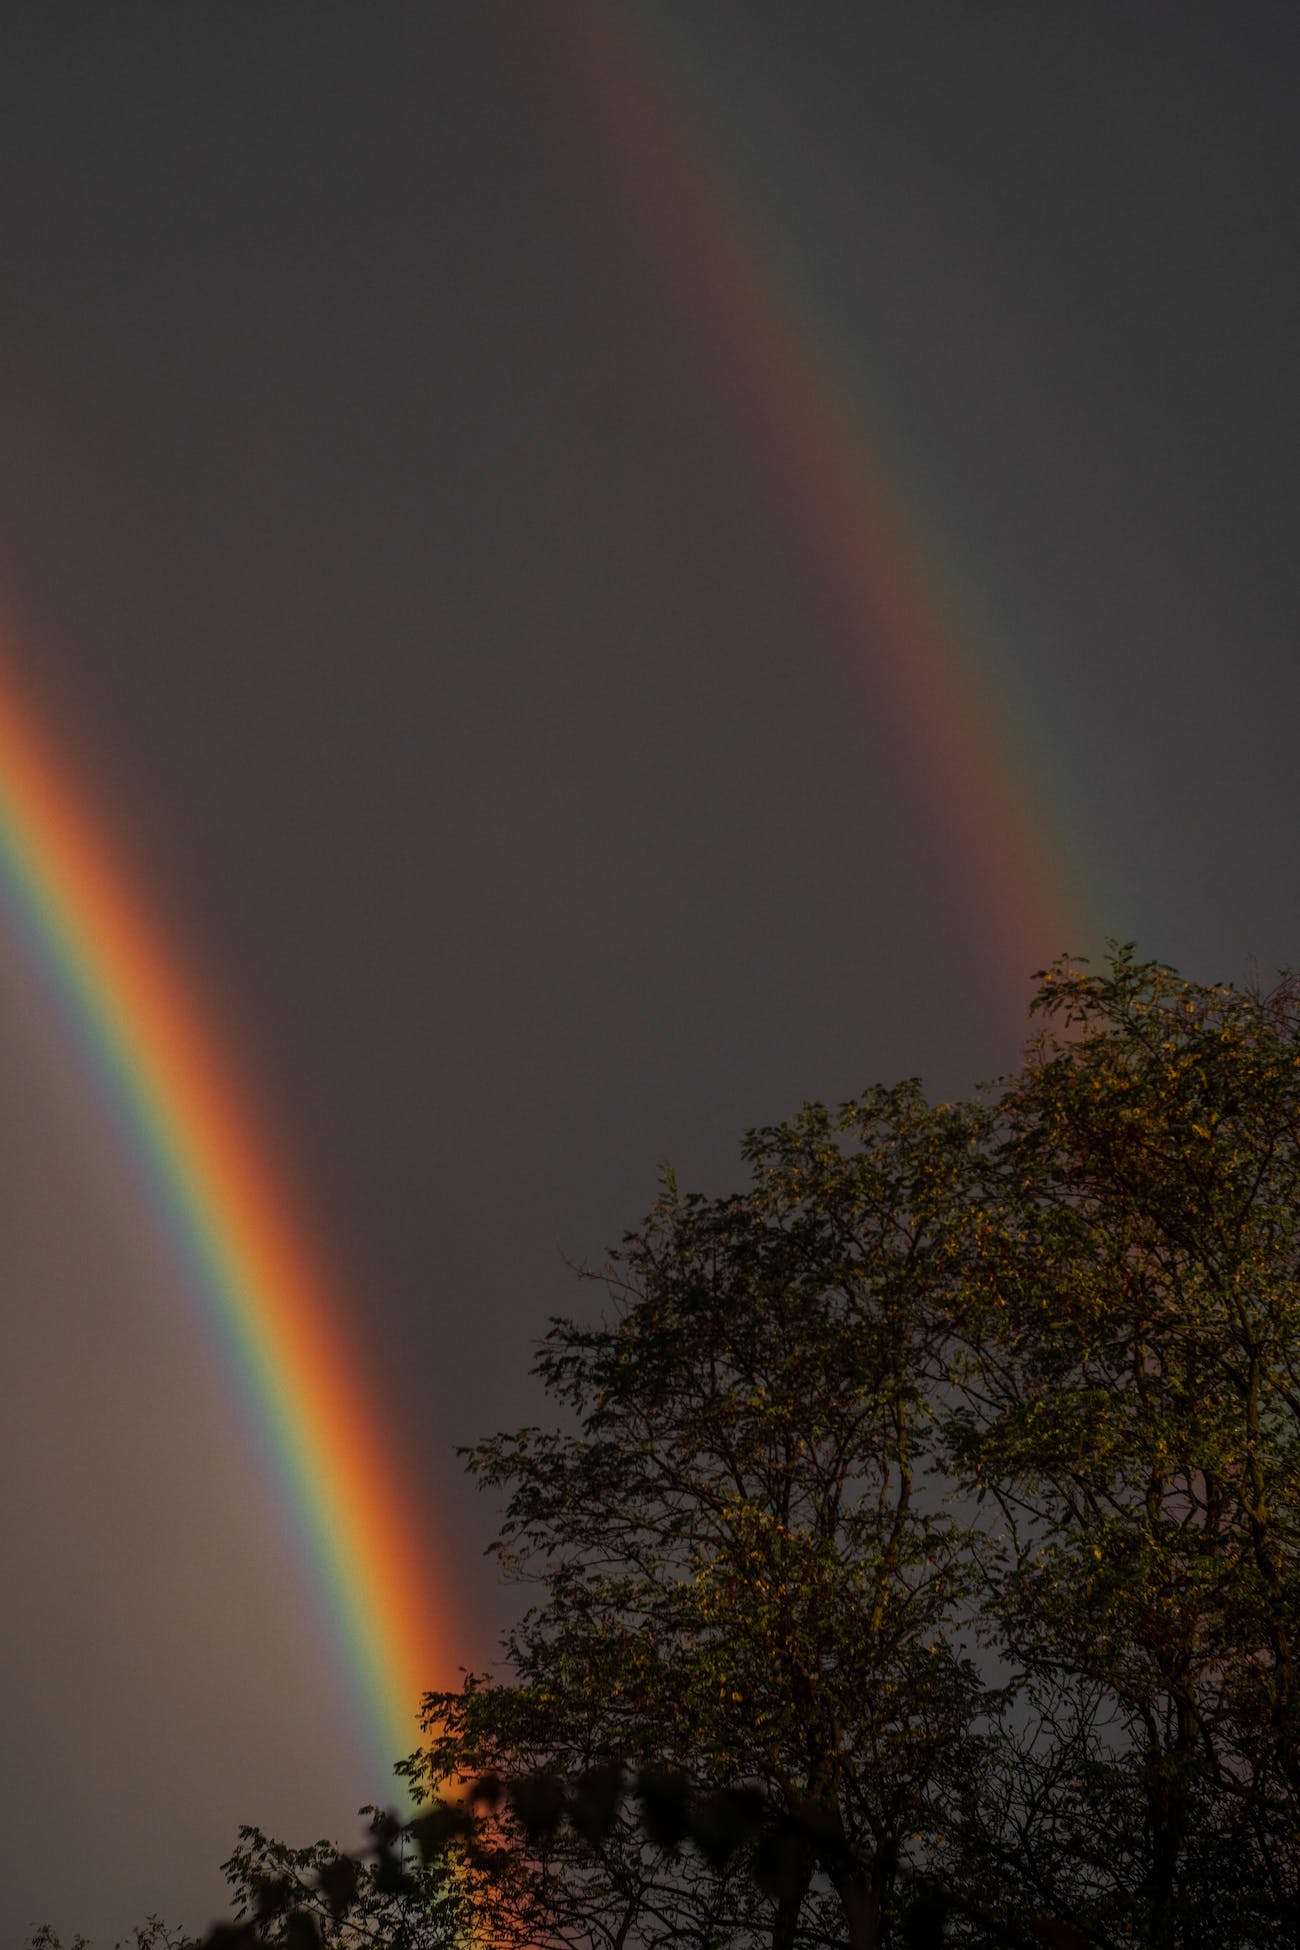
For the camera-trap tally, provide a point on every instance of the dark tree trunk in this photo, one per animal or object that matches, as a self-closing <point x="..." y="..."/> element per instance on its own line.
<point x="862" y="1897"/>
<point x="785" y="1922"/>
<point x="1166" y="1811"/>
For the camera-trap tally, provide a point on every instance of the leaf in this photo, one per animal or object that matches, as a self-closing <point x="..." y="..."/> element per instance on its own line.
<point x="925" y="1920"/>
<point x="1057" y="1934"/>
<point x="301" y="1932"/>
<point x="273" y="1894"/>
<point x="724" y="1822"/>
<point x="338" y="1882"/>
<point x="486" y="1792"/>
<point x="662" y="1794"/>
<point x="781" y="1862"/>
<point x="390" y="1877"/>
<point x="436" y="1829"/>
<point x="538" y="1800"/>
<point x="595" y="1804"/>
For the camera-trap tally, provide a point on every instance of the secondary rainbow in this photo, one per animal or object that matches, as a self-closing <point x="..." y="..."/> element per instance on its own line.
<point x="785" y="390"/>
<point x="101" y="965"/>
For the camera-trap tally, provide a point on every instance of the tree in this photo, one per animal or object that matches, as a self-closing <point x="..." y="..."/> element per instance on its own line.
<point x="1020" y="1371"/>
<point x="392" y="1894"/>
<point x="919" y="1551"/>
<point x="1128" y="1326"/>
<point x="746" y="1575"/>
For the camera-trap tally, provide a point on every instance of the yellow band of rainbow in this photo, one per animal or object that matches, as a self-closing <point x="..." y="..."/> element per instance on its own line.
<point x="118" y="996"/>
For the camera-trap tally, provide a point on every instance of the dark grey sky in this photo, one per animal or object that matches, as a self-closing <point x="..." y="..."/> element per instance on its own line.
<point x="370" y="540"/>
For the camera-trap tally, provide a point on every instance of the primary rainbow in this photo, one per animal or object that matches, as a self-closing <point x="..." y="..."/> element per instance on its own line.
<point x="842" y="515"/>
<point x="102" y="967"/>
<point x="838" y="505"/>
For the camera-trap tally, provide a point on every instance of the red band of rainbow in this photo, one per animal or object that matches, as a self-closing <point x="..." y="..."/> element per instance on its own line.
<point x="795" y="408"/>
<point x="118" y="997"/>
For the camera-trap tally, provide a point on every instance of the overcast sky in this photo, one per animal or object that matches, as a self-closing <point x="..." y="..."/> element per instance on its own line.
<point x="417" y="618"/>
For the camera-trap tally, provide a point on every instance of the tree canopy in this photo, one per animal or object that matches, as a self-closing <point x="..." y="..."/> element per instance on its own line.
<point x="915" y="1554"/>
<point x="941" y="1488"/>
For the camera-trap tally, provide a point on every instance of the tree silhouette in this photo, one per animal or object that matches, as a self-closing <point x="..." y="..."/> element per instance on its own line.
<point x="917" y="1555"/>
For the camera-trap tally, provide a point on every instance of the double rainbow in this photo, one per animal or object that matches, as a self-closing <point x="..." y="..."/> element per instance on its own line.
<point x="799" y="420"/>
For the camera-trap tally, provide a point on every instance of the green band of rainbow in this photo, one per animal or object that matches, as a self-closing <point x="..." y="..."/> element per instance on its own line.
<point x="102" y="968"/>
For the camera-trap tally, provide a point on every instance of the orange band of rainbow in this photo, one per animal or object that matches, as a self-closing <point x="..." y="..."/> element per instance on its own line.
<point x="118" y="996"/>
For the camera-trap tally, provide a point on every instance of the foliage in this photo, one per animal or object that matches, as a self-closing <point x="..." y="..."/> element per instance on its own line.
<point x="745" y="1576"/>
<point x="391" y="1894"/>
<point x="1127" y="1336"/>
<point x="917" y="1557"/>
<point x="1016" y="1374"/>
<point x="152" y="1934"/>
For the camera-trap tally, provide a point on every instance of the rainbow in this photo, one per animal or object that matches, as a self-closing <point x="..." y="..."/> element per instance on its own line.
<point x="118" y="997"/>
<point x="841" y="515"/>
<point x="818" y="464"/>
